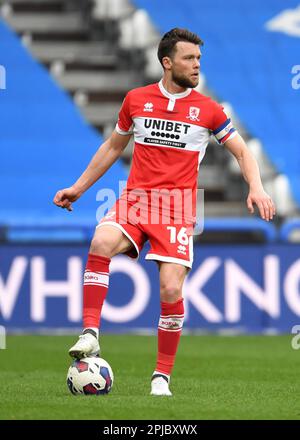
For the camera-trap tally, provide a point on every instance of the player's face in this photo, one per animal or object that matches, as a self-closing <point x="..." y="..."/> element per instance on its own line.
<point x="185" y="64"/>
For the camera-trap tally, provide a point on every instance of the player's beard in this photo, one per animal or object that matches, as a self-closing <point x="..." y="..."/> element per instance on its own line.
<point x="183" y="81"/>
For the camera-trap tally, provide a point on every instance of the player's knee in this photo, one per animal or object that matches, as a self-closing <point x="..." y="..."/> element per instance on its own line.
<point x="101" y="246"/>
<point x="170" y="293"/>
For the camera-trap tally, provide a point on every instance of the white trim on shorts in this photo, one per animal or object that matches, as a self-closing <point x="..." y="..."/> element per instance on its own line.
<point x="191" y="249"/>
<point x="186" y="263"/>
<point x="117" y="225"/>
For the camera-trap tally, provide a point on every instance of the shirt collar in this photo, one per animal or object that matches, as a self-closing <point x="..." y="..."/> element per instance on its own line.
<point x="173" y="95"/>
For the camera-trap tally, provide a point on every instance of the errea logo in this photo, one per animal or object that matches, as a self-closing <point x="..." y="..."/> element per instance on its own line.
<point x="181" y="249"/>
<point x="148" y="107"/>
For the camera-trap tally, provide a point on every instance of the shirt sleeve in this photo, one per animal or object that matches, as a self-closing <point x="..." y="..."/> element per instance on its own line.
<point x="124" y="125"/>
<point x="222" y="127"/>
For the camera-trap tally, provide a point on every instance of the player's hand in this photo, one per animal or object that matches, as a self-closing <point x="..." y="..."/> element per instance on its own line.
<point x="264" y="203"/>
<point x="65" y="197"/>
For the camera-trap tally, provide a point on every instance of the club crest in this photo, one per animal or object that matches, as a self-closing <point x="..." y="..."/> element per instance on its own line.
<point x="193" y="114"/>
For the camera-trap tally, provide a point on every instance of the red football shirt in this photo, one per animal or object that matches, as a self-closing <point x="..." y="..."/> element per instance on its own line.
<point x="171" y="133"/>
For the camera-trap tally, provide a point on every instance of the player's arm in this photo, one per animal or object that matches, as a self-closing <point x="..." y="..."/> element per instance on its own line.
<point x="104" y="158"/>
<point x="250" y="170"/>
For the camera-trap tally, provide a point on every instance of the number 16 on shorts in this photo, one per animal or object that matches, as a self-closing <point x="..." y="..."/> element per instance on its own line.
<point x="181" y="236"/>
<point x="181" y="243"/>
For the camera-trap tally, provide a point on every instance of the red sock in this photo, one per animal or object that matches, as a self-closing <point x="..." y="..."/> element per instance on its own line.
<point x="169" y="332"/>
<point x="95" y="286"/>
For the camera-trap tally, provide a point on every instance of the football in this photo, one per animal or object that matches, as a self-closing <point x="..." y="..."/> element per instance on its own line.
<point x="90" y="375"/>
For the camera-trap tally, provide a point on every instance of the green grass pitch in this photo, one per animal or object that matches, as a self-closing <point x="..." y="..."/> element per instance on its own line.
<point x="215" y="377"/>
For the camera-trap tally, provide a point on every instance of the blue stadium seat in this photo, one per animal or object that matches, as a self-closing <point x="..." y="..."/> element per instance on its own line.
<point x="289" y="227"/>
<point x="45" y="144"/>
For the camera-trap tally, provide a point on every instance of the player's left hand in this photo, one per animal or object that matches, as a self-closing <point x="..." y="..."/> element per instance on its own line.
<point x="264" y="203"/>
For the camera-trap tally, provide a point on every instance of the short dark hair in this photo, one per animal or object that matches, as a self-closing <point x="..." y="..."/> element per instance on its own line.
<point x="167" y="44"/>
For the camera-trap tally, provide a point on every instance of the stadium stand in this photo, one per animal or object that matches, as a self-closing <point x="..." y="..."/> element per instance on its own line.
<point x="92" y="52"/>
<point x="45" y="143"/>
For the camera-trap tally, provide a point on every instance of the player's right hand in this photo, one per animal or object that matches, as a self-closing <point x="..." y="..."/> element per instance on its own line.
<point x="65" y="197"/>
